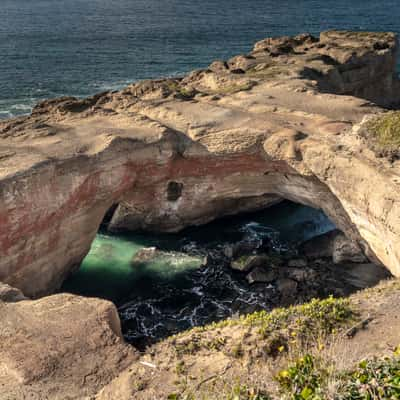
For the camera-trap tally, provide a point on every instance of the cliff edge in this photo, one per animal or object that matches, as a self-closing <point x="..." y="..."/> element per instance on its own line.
<point x="289" y="120"/>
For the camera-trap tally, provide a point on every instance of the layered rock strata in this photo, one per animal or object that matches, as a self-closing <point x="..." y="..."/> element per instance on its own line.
<point x="280" y="122"/>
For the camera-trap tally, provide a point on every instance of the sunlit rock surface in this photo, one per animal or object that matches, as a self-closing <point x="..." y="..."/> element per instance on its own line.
<point x="61" y="346"/>
<point x="279" y="122"/>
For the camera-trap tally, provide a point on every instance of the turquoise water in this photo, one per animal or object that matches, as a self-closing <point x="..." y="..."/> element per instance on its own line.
<point x="107" y="270"/>
<point x="175" y="291"/>
<point x="50" y="48"/>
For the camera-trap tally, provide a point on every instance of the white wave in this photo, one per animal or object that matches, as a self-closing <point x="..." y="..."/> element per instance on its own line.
<point x="22" y="107"/>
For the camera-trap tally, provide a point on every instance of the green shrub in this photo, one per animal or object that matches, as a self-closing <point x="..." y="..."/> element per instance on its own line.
<point x="243" y="392"/>
<point x="372" y="379"/>
<point x="302" y="380"/>
<point x="308" y="377"/>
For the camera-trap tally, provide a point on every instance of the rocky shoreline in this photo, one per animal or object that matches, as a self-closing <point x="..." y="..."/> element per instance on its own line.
<point x="290" y="120"/>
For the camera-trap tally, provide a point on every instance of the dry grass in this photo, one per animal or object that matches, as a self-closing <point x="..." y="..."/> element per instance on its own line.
<point x="386" y="129"/>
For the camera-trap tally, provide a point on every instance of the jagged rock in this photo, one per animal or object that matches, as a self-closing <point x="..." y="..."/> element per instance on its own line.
<point x="219" y="66"/>
<point x="320" y="246"/>
<point x="287" y="288"/>
<point x="362" y="275"/>
<point x="62" y="346"/>
<point x="242" y="62"/>
<point x="333" y="244"/>
<point x="246" y="263"/>
<point x="345" y="249"/>
<point x="286" y="128"/>
<point x="261" y="275"/>
<point x="285" y="42"/>
<point x="10" y="294"/>
<point x="242" y="248"/>
<point x="301" y="274"/>
<point x="297" y="263"/>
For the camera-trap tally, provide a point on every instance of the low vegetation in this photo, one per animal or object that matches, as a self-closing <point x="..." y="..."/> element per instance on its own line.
<point x="181" y="91"/>
<point x="386" y="129"/>
<point x="310" y="378"/>
<point x="233" y="88"/>
<point x="270" y="71"/>
<point x="305" y="322"/>
<point x="302" y="352"/>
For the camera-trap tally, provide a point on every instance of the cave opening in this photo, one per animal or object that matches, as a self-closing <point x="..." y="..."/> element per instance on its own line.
<point x="166" y="283"/>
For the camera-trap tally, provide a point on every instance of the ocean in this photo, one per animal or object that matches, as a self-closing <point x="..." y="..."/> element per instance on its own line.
<point x="51" y="48"/>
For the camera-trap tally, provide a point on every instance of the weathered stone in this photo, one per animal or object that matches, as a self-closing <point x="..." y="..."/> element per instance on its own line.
<point x="301" y="274"/>
<point x="10" y="294"/>
<point x="242" y="62"/>
<point x="362" y="275"/>
<point x="345" y="249"/>
<point x="243" y="248"/>
<point x="219" y="66"/>
<point x="145" y="255"/>
<point x="320" y="246"/>
<point x="297" y="263"/>
<point x="246" y="263"/>
<point x="287" y="288"/>
<point x="64" y="346"/>
<point x="333" y="244"/>
<point x="261" y="275"/>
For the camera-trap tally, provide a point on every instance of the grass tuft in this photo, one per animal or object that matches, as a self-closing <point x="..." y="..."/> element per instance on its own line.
<point x="386" y="129"/>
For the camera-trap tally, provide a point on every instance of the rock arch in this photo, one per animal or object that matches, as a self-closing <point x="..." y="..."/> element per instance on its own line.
<point x="229" y="143"/>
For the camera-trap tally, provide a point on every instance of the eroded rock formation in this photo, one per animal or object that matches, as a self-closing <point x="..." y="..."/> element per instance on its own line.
<point x="276" y="123"/>
<point x="61" y="346"/>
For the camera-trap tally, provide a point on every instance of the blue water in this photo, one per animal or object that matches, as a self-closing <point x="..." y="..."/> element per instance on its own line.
<point x="50" y="48"/>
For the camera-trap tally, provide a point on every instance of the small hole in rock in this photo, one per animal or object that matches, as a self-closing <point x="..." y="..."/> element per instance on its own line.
<point x="174" y="191"/>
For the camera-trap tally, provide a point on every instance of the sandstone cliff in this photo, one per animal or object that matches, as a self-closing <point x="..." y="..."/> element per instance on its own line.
<point x="284" y="121"/>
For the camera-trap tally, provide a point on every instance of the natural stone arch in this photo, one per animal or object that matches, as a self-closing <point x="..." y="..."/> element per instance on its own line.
<point x="236" y="142"/>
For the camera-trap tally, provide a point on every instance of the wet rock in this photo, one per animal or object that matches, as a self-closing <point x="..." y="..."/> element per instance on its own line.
<point x="333" y="244"/>
<point x="145" y="255"/>
<point x="287" y="287"/>
<point x="301" y="274"/>
<point x="242" y="248"/>
<point x="149" y="257"/>
<point x="260" y="275"/>
<point x="207" y="260"/>
<point x="10" y="294"/>
<point x="320" y="246"/>
<point x="297" y="263"/>
<point x="246" y="263"/>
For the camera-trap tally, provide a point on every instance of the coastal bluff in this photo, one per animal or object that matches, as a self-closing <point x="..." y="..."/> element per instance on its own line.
<point x="289" y="120"/>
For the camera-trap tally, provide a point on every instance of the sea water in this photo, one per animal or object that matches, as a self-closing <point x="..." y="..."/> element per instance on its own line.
<point x="52" y="48"/>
